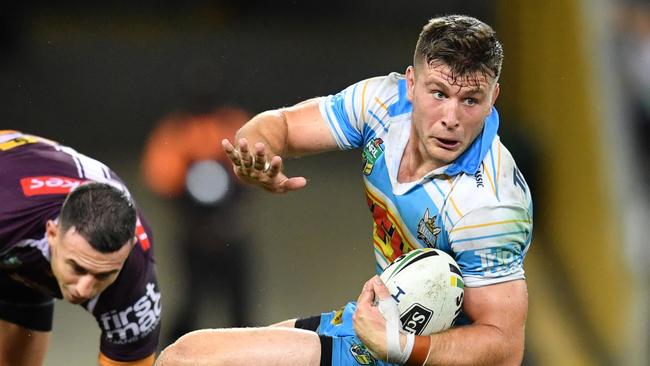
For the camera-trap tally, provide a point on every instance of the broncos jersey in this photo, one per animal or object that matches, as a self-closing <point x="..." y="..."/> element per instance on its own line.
<point x="478" y="208"/>
<point x="36" y="176"/>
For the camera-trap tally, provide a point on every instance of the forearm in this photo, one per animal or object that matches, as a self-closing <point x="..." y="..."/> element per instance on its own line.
<point x="289" y="132"/>
<point x="476" y="344"/>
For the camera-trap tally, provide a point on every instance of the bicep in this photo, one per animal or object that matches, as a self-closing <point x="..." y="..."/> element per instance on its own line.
<point x="503" y="306"/>
<point x="307" y="130"/>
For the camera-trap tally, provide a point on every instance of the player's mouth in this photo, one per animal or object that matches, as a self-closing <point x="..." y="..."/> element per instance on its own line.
<point x="448" y="144"/>
<point x="75" y="299"/>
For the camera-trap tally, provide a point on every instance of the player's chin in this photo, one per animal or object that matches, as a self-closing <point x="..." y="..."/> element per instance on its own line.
<point x="444" y="156"/>
<point x="75" y="300"/>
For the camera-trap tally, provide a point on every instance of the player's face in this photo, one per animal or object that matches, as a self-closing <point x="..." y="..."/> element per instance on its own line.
<point x="447" y="115"/>
<point x="81" y="271"/>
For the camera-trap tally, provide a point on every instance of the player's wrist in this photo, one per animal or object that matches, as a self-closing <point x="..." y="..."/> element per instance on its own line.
<point x="420" y="352"/>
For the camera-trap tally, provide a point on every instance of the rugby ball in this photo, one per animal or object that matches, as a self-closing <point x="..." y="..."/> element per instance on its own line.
<point x="428" y="287"/>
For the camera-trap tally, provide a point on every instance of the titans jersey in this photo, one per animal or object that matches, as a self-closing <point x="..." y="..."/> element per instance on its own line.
<point x="478" y="208"/>
<point x="35" y="177"/>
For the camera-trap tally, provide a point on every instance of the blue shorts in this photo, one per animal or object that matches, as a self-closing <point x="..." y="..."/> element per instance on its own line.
<point x="339" y="345"/>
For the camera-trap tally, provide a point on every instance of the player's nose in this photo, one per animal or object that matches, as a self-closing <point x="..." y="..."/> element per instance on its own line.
<point x="86" y="286"/>
<point x="450" y="115"/>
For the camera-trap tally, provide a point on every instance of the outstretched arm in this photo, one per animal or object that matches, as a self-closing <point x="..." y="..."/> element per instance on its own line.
<point x="270" y="136"/>
<point x="495" y="338"/>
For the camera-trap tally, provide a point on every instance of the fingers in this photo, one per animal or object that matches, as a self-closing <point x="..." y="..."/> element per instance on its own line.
<point x="292" y="184"/>
<point x="253" y="166"/>
<point x="242" y="158"/>
<point x="380" y="288"/>
<point x="233" y="155"/>
<point x="259" y="162"/>
<point x="275" y="166"/>
<point x="373" y="289"/>
<point x="245" y="155"/>
<point x="367" y="295"/>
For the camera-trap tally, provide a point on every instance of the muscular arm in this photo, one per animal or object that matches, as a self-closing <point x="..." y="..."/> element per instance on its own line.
<point x="264" y="140"/>
<point x="289" y="132"/>
<point x="497" y="335"/>
<point x="495" y="338"/>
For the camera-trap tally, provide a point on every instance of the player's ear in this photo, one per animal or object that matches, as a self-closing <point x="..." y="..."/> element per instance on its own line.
<point x="410" y="82"/>
<point x="495" y="93"/>
<point x="51" y="232"/>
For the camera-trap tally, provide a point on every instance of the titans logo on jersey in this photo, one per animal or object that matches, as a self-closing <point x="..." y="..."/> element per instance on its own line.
<point x="427" y="229"/>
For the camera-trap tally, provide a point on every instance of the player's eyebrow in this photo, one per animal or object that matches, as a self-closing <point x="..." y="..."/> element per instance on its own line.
<point x="84" y="269"/>
<point x="476" y="90"/>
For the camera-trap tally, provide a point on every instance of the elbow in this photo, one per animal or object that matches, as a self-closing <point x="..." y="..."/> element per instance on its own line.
<point x="515" y="352"/>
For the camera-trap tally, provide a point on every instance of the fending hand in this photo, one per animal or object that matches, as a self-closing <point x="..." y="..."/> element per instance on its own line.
<point x="256" y="169"/>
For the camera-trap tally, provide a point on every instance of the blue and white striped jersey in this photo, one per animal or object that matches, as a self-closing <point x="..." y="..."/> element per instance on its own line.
<point x="478" y="209"/>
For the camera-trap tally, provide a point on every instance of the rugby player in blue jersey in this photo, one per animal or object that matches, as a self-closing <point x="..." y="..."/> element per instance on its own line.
<point x="435" y="175"/>
<point x="70" y="230"/>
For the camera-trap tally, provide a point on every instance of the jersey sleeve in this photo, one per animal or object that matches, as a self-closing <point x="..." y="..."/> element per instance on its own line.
<point x="490" y="244"/>
<point x="350" y="112"/>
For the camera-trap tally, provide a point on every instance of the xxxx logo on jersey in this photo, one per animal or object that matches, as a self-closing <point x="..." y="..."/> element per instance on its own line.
<point x="337" y="319"/>
<point x="373" y="150"/>
<point x="362" y="355"/>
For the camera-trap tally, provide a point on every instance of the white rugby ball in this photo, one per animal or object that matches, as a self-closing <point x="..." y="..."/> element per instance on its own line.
<point x="428" y="287"/>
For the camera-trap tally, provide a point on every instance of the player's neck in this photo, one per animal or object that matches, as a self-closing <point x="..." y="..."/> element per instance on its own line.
<point x="413" y="165"/>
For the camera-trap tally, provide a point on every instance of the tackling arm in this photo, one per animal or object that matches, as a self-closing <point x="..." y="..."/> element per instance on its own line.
<point x="495" y="338"/>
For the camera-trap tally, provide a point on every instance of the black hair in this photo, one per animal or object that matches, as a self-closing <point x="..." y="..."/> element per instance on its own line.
<point x="104" y="215"/>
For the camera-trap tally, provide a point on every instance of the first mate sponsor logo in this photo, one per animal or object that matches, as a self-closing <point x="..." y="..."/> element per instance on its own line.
<point x="136" y="321"/>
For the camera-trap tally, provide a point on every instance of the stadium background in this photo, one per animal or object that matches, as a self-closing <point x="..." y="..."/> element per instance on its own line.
<point x="99" y="77"/>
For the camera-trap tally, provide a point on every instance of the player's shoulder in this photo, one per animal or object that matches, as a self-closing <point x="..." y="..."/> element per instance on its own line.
<point x="381" y="83"/>
<point x="497" y="182"/>
<point x="378" y="85"/>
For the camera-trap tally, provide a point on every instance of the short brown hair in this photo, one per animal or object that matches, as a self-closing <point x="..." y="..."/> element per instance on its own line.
<point x="465" y="44"/>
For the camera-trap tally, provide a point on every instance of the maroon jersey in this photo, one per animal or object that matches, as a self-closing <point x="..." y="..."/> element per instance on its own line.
<point x="35" y="177"/>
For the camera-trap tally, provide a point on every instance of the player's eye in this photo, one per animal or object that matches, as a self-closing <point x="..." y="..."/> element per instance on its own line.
<point x="438" y="94"/>
<point x="471" y="101"/>
<point x="102" y="276"/>
<point x="78" y="270"/>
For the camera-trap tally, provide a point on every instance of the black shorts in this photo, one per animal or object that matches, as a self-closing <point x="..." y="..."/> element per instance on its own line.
<point x="312" y="323"/>
<point x="25" y="306"/>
